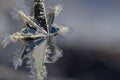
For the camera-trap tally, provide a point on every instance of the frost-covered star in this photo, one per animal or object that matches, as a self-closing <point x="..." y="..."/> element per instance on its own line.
<point x="38" y="35"/>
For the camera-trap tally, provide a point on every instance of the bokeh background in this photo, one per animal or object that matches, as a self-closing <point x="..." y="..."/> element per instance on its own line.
<point x="91" y="50"/>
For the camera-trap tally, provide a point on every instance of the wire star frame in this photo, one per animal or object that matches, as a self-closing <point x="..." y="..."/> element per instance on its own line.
<point x="38" y="35"/>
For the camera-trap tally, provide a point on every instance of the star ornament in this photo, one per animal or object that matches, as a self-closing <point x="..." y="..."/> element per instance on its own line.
<point x="39" y="34"/>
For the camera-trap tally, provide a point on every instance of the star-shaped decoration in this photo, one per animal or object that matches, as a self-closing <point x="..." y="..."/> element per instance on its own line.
<point x="39" y="36"/>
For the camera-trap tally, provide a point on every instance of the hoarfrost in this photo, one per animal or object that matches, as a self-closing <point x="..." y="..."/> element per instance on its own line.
<point x="5" y="40"/>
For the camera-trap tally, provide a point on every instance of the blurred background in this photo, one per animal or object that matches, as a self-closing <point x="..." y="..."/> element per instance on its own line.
<point x="91" y="50"/>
